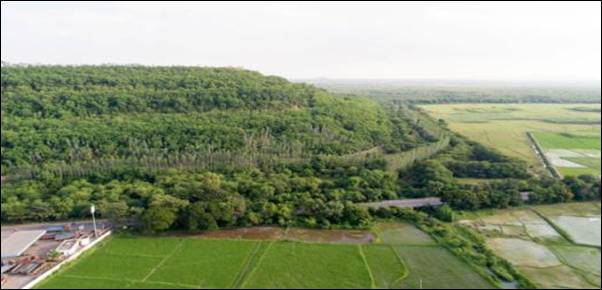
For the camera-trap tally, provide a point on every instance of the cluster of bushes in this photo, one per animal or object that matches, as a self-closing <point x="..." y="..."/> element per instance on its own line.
<point x="432" y="178"/>
<point x="461" y="159"/>
<point x="467" y="159"/>
<point x="584" y="187"/>
<point x="486" y="169"/>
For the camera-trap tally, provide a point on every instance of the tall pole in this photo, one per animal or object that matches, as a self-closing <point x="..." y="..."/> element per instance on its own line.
<point x="93" y="211"/>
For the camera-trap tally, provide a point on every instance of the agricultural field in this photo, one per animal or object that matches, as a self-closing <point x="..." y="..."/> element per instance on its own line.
<point x="429" y="266"/>
<point x="436" y="268"/>
<point x="572" y="154"/>
<point x="572" y="127"/>
<point x="555" y="246"/>
<point x="402" y="257"/>
<point x="580" y="223"/>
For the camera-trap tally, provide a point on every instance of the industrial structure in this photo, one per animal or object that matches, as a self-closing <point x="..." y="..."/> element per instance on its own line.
<point x="17" y="243"/>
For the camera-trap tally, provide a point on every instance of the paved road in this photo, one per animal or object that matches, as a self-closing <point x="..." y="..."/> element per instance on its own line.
<point x="406" y="203"/>
<point x="7" y="229"/>
<point x="420" y="202"/>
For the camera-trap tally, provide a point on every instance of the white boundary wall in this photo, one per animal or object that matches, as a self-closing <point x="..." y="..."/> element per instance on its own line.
<point x="47" y="274"/>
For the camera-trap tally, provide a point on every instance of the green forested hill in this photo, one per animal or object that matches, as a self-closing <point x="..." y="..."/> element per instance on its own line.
<point x="54" y="114"/>
<point x="190" y="148"/>
<point x="52" y="91"/>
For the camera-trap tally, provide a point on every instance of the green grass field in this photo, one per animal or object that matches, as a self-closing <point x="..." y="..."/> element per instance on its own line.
<point x="388" y="269"/>
<point x="429" y="266"/>
<point x="551" y="140"/>
<point x="403" y="234"/>
<point x="402" y="258"/>
<point x="294" y="266"/>
<point x="505" y="127"/>
<point x="582" y="150"/>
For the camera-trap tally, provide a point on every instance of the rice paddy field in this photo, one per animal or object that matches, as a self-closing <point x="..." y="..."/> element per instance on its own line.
<point x="401" y="257"/>
<point x="569" y="133"/>
<point x="555" y="246"/>
<point x="428" y="265"/>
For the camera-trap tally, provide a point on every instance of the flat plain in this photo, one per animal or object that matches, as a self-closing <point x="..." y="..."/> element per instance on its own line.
<point x="402" y="257"/>
<point x="505" y="126"/>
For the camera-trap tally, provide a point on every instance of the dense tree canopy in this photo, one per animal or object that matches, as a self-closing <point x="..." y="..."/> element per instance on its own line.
<point x="165" y="148"/>
<point x="318" y="194"/>
<point x="56" y="115"/>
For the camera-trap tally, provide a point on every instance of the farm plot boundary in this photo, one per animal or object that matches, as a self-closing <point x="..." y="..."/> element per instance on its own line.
<point x="116" y="263"/>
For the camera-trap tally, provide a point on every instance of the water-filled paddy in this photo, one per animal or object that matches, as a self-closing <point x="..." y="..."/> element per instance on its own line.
<point x="582" y="230"/>
<point x="528" y="239"/>
<point x="524" y="253"/>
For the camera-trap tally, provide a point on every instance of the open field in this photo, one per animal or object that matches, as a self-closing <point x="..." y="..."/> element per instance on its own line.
<point x="403" y="257"/>
<point x="292" y="234"/>
<point x="580" y="222"/>
<point x="403" y="234"/>
<point x="521" y="224"/>
<point x="583" y="231"/>
<point x="555" y="246"/>
<point x="571" y="154"/>
<point x="524" y="253"/>
<point x="202" y="263"/>
<point x="505" y="127"/>
<point x="584" y="258"/>
<point x="387" y="267"/>
<point x="294" y="266"/>
<point x="582" y="141"/>
<point x="429" y="266"/>
<point x="561" y="277"/>
<point x="580" y="209"/>
<point x="436" y="268"/>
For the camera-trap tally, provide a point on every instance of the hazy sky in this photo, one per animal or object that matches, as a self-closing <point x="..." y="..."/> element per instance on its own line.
<point x="535" y="41"/>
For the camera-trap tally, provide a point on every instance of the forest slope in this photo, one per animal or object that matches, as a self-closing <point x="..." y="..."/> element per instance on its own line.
<point x="57" y="115"/>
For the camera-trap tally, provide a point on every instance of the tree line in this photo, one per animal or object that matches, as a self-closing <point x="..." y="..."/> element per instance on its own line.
<point x="316" y="194"/>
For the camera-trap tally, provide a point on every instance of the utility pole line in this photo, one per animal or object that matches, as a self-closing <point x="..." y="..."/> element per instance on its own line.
<point x="93" y="211"/>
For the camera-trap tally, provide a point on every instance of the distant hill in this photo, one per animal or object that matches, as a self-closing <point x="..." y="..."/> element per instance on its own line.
<point x="445" y="91"/>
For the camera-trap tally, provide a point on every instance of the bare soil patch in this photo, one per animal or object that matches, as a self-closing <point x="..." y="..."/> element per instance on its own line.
<point x="300" y="235"/>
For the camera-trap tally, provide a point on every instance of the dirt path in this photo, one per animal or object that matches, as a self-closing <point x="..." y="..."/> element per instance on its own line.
<point x="368" y="269"/>
<point x="542" y="156"/>
<point x="251" y="261"/>
<point x="352" y="237"/>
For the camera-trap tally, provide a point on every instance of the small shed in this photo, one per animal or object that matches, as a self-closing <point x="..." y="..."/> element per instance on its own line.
<point x="17" y="243"/>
